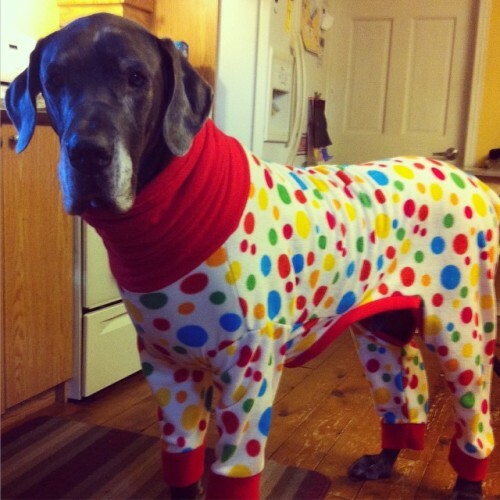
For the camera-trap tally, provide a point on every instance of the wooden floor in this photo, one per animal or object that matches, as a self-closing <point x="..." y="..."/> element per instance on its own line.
<point x="323" y="419"/>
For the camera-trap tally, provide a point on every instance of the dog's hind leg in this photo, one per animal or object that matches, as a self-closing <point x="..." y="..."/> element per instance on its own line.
<point x="399" y="387"/>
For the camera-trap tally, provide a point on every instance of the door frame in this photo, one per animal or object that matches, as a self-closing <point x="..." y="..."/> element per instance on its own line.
<point x="477" y="82"/>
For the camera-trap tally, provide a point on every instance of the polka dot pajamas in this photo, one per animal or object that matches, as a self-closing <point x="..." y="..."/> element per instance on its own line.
<point x="302" y="255"/>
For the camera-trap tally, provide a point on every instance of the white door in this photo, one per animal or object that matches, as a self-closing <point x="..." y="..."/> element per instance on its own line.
<point x="400" y="77"/>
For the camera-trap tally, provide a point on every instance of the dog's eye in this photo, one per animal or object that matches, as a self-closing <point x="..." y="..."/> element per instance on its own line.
<point x="136" y="79"/>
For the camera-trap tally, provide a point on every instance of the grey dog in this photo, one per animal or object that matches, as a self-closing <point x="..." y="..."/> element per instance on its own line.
<point x="125" y="104"/>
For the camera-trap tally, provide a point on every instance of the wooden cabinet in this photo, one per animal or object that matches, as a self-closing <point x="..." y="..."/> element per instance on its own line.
<point x="36" y="270"/>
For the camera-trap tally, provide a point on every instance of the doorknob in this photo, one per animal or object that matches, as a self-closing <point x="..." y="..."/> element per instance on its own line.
<point x="449" y="154"/>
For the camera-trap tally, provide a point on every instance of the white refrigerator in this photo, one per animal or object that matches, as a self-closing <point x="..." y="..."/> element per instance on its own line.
<point x="265" y="75"/>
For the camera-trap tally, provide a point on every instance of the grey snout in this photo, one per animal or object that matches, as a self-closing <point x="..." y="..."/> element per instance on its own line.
<point x="90" y="154"/>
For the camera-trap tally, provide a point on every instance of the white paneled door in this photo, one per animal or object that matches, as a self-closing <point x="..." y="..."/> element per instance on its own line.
<point x="400" y="77"/>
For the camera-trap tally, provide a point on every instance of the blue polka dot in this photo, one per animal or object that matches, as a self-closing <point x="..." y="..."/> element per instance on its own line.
<point x="298" y="180"/>
<point x="273" y="304"/>
<point x="192" y="336"/>
<point x="380" y="178"/>
<point x="263" y="388"/>
<point x="481" y="239"/>
<point x="230" y="322"/>
<point x="380" y="262"/>
<point x="470" y="448"/>
<point x="350" y="269"/>
<point x="389" y="418"/>
<point x="298" y="263"/>
<point x="265" y="265"/>
<point x="438" y="245"/>
<point x="346" y="302"/>
<point x="265" y="422"/>
<point x="398" y="381"/>
<point x="450" y="277"/>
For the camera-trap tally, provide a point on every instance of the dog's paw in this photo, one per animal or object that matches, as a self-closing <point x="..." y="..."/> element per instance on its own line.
<point x="467" y="490"/>
<point x="371" y="467"/>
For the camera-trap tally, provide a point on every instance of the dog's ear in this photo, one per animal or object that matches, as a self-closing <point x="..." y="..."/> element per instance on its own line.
<point x="20" y="99"/>
<point x="190" y="100"/>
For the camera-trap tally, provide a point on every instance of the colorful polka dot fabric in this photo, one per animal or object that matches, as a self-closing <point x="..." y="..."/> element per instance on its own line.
<point x="315" y="251"/>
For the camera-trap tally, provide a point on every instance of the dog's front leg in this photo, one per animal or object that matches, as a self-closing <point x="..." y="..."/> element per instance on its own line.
<point x="370" y="467"/>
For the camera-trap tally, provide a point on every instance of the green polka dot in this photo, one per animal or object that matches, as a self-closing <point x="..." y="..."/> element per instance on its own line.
<point x="317" y="194"/>
<point x="273" y="237"/>
<point x="248" y="405"/>
<point x="458" y="180"/>
<point x="386" y="377"/>
<point x="322" y="242"/>
<point x="399" y="185"/>
<point x="365" y="200"/>
<point x="360" y="244"/>
<point x="227" y="452"/>
<point x="448" y="220"/>
<point x="371" y="347"/>
<point x="180" y="350"/>
<point x="226" y="378"/>
<point x="400" y="234"/>
<point x="283" y="194"/>
<point x="464" y="291"/>
<point x="467" y="400"/>
<point x="147" y="369"/>
<point x="153" y="300"/>
<point x="251" y="282"/>
<point x="488" y="327"/>
<point x="421" y="399"/>
<point x="217" y="298"/>
<point x="419" y="257"/>
<point x="455" y="336"/>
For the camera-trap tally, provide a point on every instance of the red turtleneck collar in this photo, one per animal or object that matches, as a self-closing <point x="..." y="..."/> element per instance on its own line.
<point x="181" y="217"/>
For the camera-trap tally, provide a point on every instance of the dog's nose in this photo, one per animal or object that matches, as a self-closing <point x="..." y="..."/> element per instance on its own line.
<point x="89" y="155"/>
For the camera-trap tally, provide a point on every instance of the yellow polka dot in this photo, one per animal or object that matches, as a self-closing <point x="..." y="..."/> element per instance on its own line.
<point x="305" y="343"/>
<point x="474" y="274"/>
<point x="302" y="224"/>
<point x="276" y="213"/>
<point x="133" y="311"/>
<point x="163" y="396"/>
<point x="432" y="325"/>
<point x="239" y="393"/>
<point x="467" y="350"/>
<point x="454" y="199"/>
<point x="319" y="183"/>
<point x="396" y="198"/>
<point x="234" y="273"/>
<point x="351" y="211"/>
<point x="490" y="438"/>
<point x="263" y="199"/>
<point x="190" y="417"/>
<point x="231" y="350"/>
<point x="382" y="226"/>
<point x="479" y="205"/>
<point x="328" y="262"/>
<point x="240" y="470"/>
<point x="405" y="172"/>
<point x="421" y="188"/>
<point x="436" y="192"/>
<point x="413" y="414"/>
<point x="474" y="423"/>
<point x="382" y="396"/>
<point x="217" y="258"/>
<point x="406" y="246"/>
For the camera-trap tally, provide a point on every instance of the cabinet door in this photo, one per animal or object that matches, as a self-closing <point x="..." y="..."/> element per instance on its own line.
<point x="37" y="241"/>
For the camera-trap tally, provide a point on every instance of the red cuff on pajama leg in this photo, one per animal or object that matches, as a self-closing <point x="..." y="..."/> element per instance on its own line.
<point x="183" y="469"/>
<point x="399" y="436"/>
<point x="467" y="467"/>
<point x="241" y="488"/>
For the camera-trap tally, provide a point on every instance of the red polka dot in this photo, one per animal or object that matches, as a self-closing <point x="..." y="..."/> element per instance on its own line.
<point x="380" y="196"/>
<point x="466" y="377"/>
<point x="245" y="356"/>
<point x="319" y="295"/>
<point x="366" y="268"/>
<point x="407" y="276"/>
<point x="253" y="448"/>
<point x="161" y="324"/>
<point x="269" y="179"/>
<point x="249" y="223"/>
<point x="300" y="196"/>
<point x="287" y="231"/>
<point x="460" y="244"/>
<point x="181" y="375"/>
<point x="409" y="208"/>
<point x="484" y="406"/>
<point x="438" y="173"/>
<point x="301" y="302"/>
<point x="437" y="300"/>
<point x="330" y="218"/>
<point x="468" y="212"/>
<point x="284" y="266"/>
<point x="194" y="283"/>
<point x="423" y="212"/>
<point x="390" y="252"/>
<point x="466" y="315"/>
<point x="230" y="422"/>
<point x="310" y="258"/>
<point x="489" y="348"/>
<point x="372" y="365"/>
<point x="168" y="429"/>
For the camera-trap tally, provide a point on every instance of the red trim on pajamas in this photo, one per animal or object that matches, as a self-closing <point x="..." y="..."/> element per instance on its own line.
<point x="467" y="467"/>
<point x="400" y="436"/>
<point x="183" y="469"/>
<point x="233" y="488"/>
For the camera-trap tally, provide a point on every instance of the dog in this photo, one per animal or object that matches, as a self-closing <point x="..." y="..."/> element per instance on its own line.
<point x="232" y="268"/>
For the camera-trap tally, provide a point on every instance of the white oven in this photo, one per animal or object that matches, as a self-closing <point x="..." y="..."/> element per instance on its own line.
<point x="105" y="339"/>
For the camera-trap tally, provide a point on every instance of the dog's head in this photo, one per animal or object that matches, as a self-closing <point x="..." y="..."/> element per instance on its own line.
<point x="121" y="101"/>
